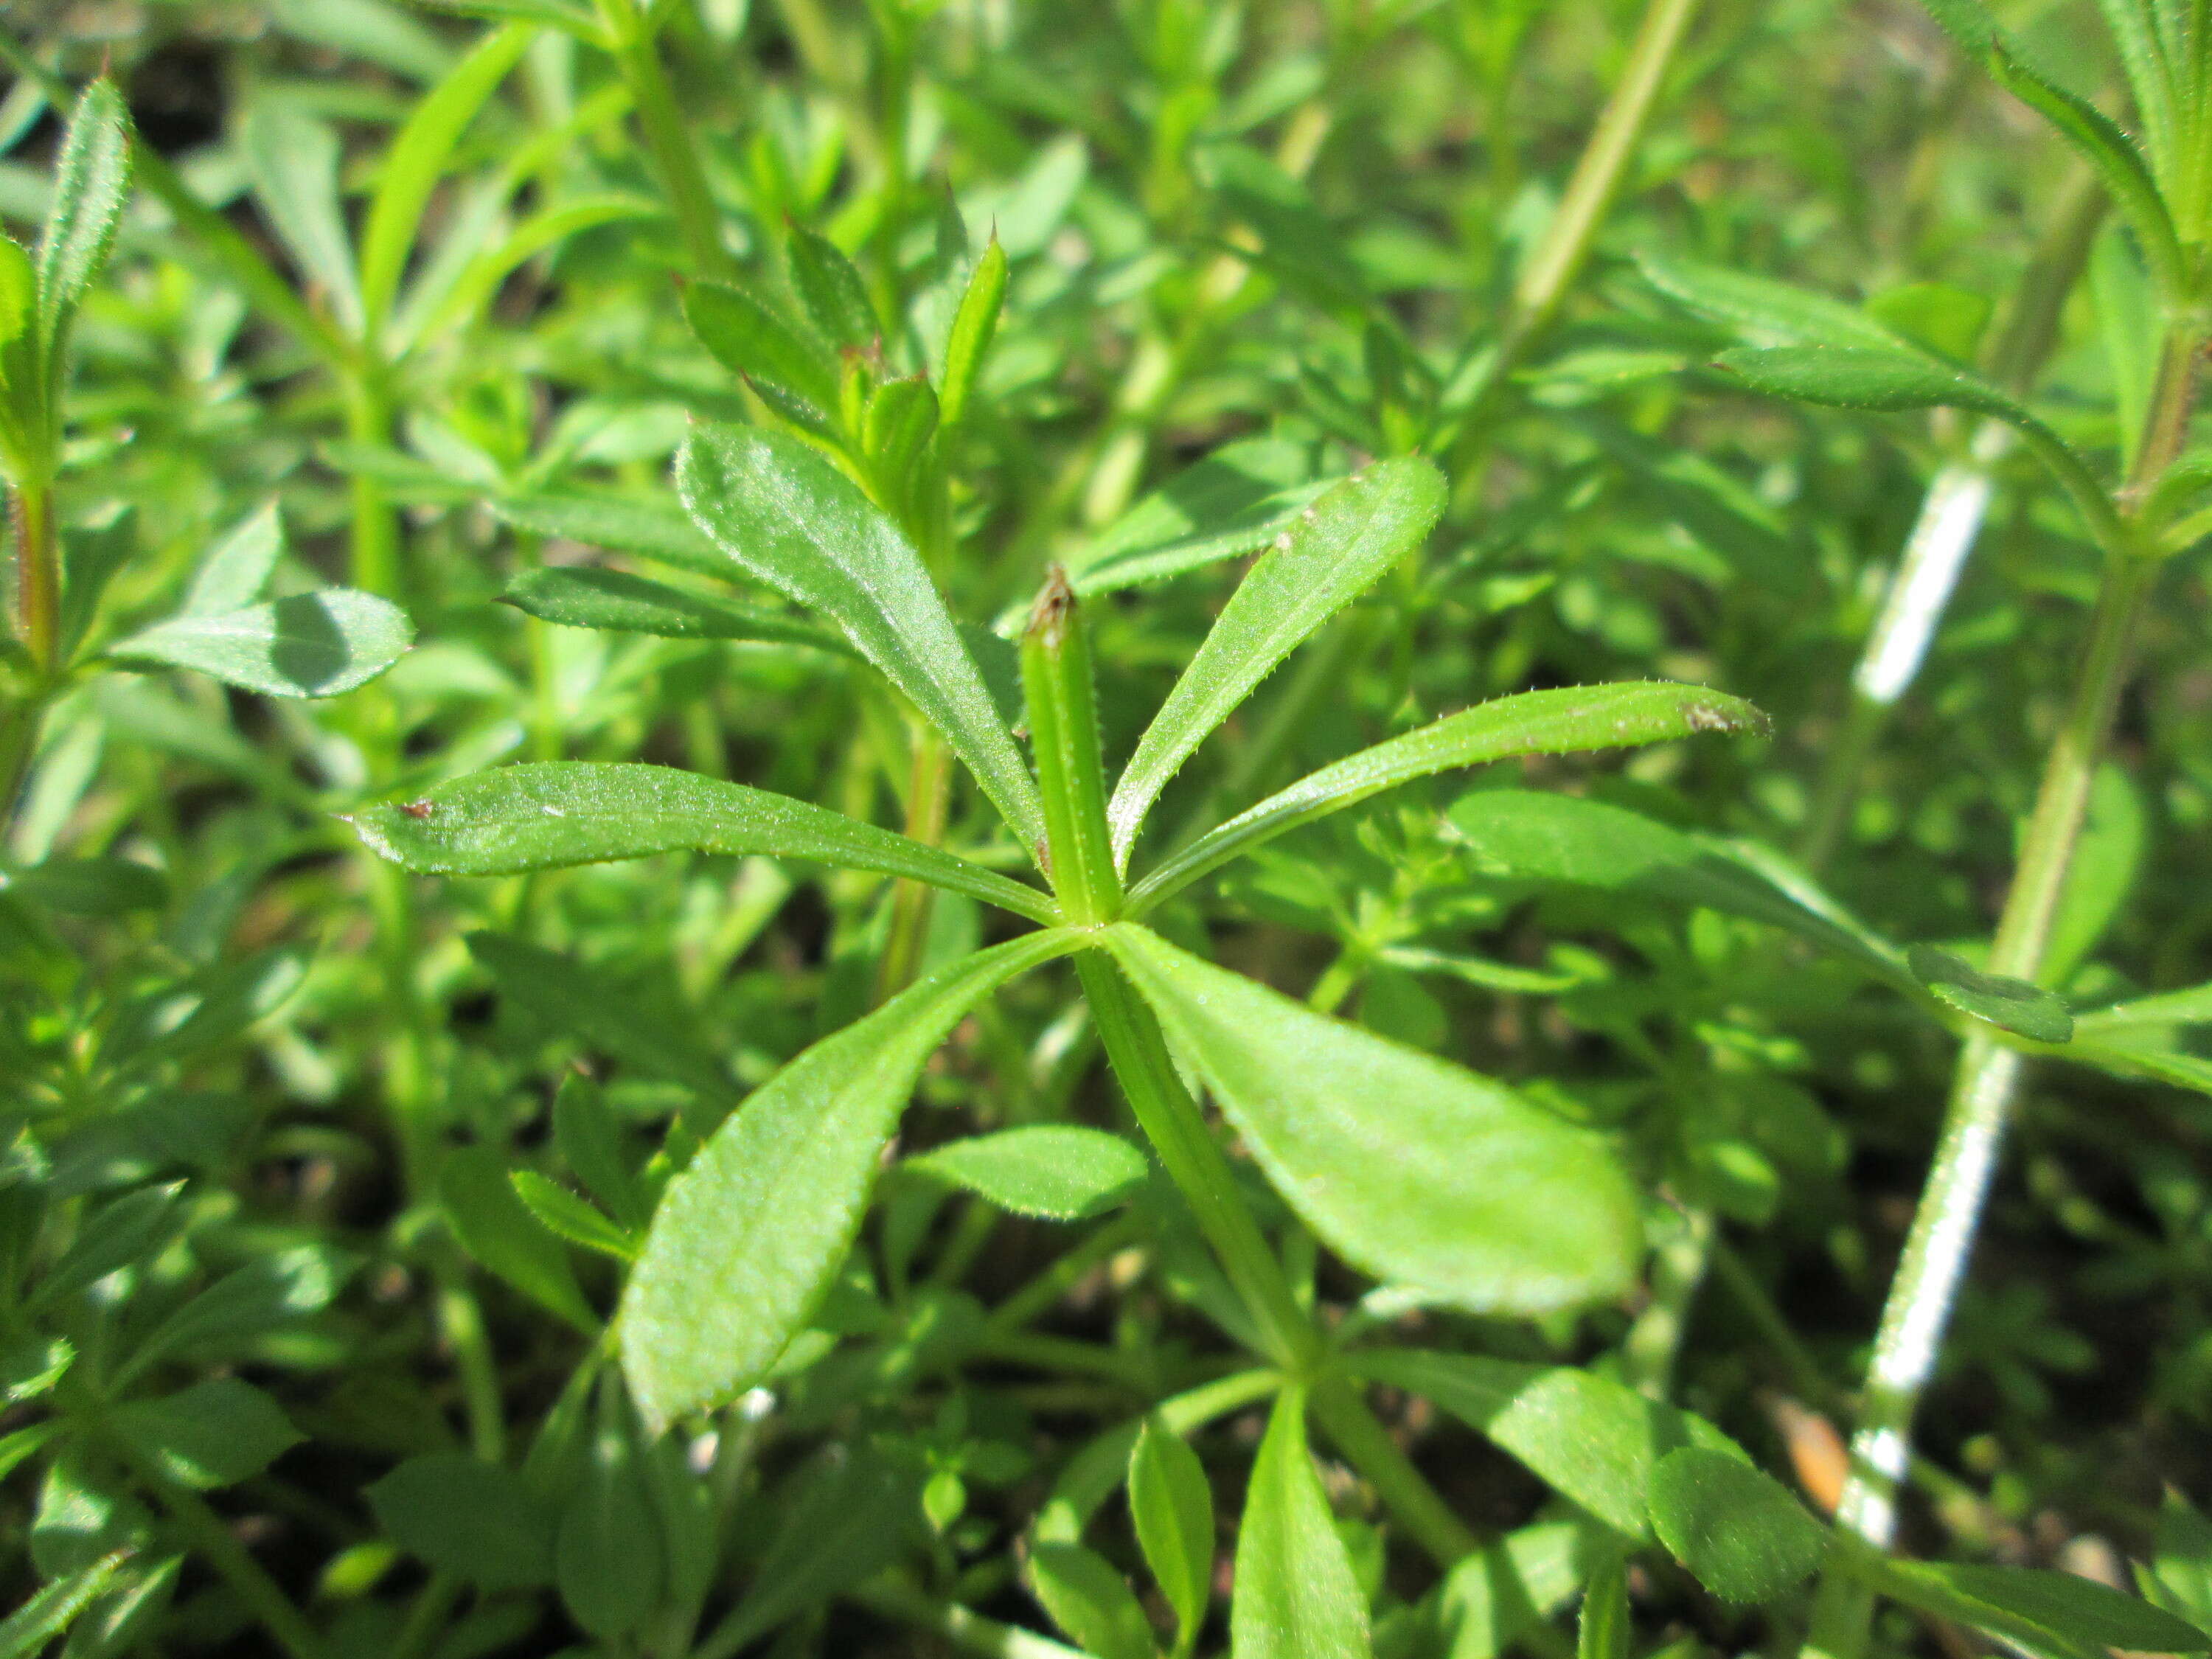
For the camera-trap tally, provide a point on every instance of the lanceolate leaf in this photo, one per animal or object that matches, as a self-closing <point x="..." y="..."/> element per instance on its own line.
<point x="2113" y="154"/>
<point x="1171" y="1506"/>
<point x="1765" y="311"/>
<point x="1059" y="1172"/>
<point x="1537" y="836"/>
<point x="785" y="514"/>
<point x="2012" y="1004"/>
<point x="1295" y="1597"/>
<point x="29" y="1629"/>
<point x="294" y="160"/>
<point x="1595" y="1441"/>
<point x="1737" y="1529"/>
<point x="1236" y="501"/>
<point x="311" y="645"/>
<point x="416" y="158"/>
<point x="2057" y="1615"/>
<point x="1339" y="545"/>
<point x="1413" y="1170"/>
<point x="1559" y="722"/>
<point x="655" y="530"/>
<point x="546" y="815"/>
<point x="90" y="182"/>
<point x="615" y="599"/>
<point x="747" y="1238"/>
<point x="1859" y="377"/>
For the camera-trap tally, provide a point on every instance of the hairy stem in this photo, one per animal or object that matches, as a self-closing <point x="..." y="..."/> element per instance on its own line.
<point x="1986" y="1082"/>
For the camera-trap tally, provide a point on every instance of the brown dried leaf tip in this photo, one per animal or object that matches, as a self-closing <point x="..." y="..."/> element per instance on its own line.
<point x="1049" y="620"/>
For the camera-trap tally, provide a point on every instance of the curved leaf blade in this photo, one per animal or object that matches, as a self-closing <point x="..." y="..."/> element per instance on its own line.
<point x="1763" y="311"/>
<point x="1339" y="545"/>
<point x="1295" y="1595"/>
<point x="418" y="156"/>
<point x="310" y="645"/>
<point x="91" y="179"/>
<point x="2017" y="1005"/>
<point x="785" y="514"/>
<point x="1056" y="1171"/>
<point x="1412" y="1169"/>
<point x="546" y="815"/>
<point x="587" y="597"/>
<point x="1735" y="1527"/>
<point x="1572" y="721"/>
<point x="746" y="1239"/>
<point x="1591" y="1439"/>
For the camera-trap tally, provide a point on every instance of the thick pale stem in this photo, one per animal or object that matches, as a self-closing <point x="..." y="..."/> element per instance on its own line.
<point x="38" y="574"/>
<point x="1936" y="1249"/>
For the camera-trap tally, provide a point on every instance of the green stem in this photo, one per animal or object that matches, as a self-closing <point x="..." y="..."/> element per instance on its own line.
<point x="928" y="797"/>
<point x="972" y="1632"/>
<point x="638" y="58"/>
<point x="1071" y="776"/>
<point x="1056" y="1280"/>
<point x="376" y="530"/>
<point x="1559" y="259"/>
<point x="1678" y="1268"/>
<point x="1986" y="1082"/>
<point x="462" y="1320"/>
<point x="1171" y="1120"/>
<point x="1367" y="1445"/>
<point x="38" y="574"/>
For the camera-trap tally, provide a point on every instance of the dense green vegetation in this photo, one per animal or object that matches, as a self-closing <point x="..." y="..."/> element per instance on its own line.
<point x="1309" y="829"/>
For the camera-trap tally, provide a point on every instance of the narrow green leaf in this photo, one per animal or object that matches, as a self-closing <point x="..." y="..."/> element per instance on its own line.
<point x="1295" y="1597"/>
<point x="1172" y="1505"/>
<point x="569" y="16"/>
<point x="1736" y="1529"/>
<point x="973" y="325"/>
<point x="747" y="1239"/>
<point x="310" y="645"/>
<point x="237" y="567"/>
<point x="785" y="514"/>
<point x="619" y="524"/>
<point x="799" y="376"/>
<point x="293" y="160"/>
<point x="1090" y="1600"/>
<point x="547" y="815"/>
<point x="1764" y="312"/>
<point x="1236" y="501"/>
<point x="133" y="1229"/>
<point x="835" y="298"/>
<point x="1059" y="1172"/>
<point x="608" y="1563"/>
<point x="1572" y="721"/>
<point x="23" y="432"/>
<point x="2055" y="1615"/>
<point x="214" y="1433"/>
<point x="265" y="1295"/>
<point x="2012" y="1004"/>
<point x="2118" y="164"/>
<point x="2149" y="72"/>
<point x="418" y="156"/>
<point x="1411" y="1169"/>
<point x="590" y="1141"/>
<point x="1528" y="835"/>
<point x="1606" y="1626"/>
<point x="91" y="179"/>
<point x="496" y="1229"/>
<point x="2192" y="1007"/>
<point x="477" y="1521"/>
<point x="584" y="597"/>
<point x="565" y="1216"/>
<point x="1341" y="544"/>
<point x="1592" y="1440"/>
<point x="25" y="1632"/>
<point x="1862" y="377"/>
